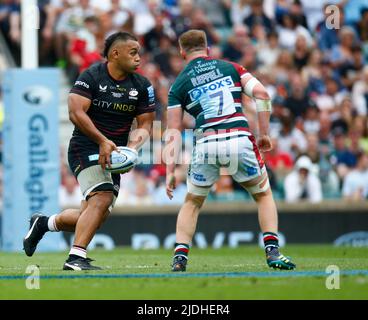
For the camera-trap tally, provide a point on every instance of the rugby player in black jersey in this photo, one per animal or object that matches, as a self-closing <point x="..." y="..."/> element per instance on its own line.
<point x="103" y="103"/>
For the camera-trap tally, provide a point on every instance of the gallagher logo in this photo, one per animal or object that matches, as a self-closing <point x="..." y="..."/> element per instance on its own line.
<point x="196" y="93"/>
<point x="37" y="96"/>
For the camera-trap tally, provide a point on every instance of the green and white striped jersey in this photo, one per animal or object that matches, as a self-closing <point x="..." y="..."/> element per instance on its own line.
<point x="210" y="90"/>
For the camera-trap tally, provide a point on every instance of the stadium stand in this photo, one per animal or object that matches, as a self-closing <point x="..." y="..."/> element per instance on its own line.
<point x="316" y="75"/>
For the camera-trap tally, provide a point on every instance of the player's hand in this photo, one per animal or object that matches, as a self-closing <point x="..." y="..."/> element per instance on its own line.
<point x="264" y="143"/>
<point x="170" y="185"/>
<point x="106" y="147"/>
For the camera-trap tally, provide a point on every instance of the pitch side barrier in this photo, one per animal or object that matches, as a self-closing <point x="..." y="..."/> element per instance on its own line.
<point x="236" y="224"/>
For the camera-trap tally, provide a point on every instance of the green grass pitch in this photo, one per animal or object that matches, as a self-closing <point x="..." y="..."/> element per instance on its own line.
<point x="240" y="274"/>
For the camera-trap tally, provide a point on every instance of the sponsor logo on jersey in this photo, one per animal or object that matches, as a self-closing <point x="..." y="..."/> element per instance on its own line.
<point x="198" y="177"/>
<point x="117" y="94"/>
<point x="196" y="93"/>
<point x="151" y="95"/>
<point x="82" y="84"/>
<point x="102" y="88"/>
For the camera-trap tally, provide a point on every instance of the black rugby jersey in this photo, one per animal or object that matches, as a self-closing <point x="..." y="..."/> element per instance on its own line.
<point x="114" y="103"/>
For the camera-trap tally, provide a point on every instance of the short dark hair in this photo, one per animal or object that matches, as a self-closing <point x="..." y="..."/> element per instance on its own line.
<point x="118" y="36"/>
<point x="193" y="40"/>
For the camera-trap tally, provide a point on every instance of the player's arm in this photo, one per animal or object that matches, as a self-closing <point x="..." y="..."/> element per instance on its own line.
<point x="173" y="146"/>
<point x="143" y="131"/>
<point x="254" y="89"/>
<point x="78" y="106"/>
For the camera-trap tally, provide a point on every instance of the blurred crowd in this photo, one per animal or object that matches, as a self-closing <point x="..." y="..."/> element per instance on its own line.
<point x="310" y="54"/>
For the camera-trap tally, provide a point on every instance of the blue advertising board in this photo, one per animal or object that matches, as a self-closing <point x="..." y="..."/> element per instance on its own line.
<point x="31" y="159"/>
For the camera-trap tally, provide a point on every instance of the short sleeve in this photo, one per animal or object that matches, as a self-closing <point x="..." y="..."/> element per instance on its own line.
<point x="240" y="69"/>
<point x="84" y="85"/>
<point x="147" y="100"/>
<point x="174" y="101"/>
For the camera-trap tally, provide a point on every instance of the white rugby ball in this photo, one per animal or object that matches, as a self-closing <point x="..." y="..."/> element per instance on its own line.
<point x="122" y="160"/>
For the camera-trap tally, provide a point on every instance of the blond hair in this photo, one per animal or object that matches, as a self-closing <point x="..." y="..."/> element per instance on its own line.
<point x="193" y="40"/>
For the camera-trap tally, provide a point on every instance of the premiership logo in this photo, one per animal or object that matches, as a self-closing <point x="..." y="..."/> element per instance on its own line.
<point x="37" y="96"/>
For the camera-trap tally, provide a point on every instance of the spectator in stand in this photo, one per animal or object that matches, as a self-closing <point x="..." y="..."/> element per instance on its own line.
<point x="289" y="32"/>
<point x="312" y="74"/>
<point x="344" y="115"/>
<point x="342" y="158"/>
<point x="217" y="11"/>
<point x="329" y="101"/>
<point x="302" y="184"/>
<point x="350" y="70"/>
<point x="268" y="52"/>
<point x="70" y="21"/>
<point x="311" y="119"/>
<point x="301" y="52"/>
<point x="85" y="47"/>
<point x="201" y="22"/>
<point x="10" y="26"/>
<point x="69" y="192"/>
<point x="328" y="37"/>
<point x="283" y="67"/>
<point x="355" y="183"/>
<point x="278" y="113"/>
<point x="223" y="190"/>
<point x="360" y="94"/>
<point x="281" y="163"/>
<point x="353" y="10"/>
<point x="182" y="22"/>
<point x="291" y="139"/>
<point x="360" y="125"/>
<point x="342" y="53"/>
<point x="162" y="28"/>
<point x="362" y="25"/>
<point x="298" y="101"/>
<point x="236" y="43"/>
<point x="257" y="15"/>
<point x="319" y="156"/>
<point x="162" y="55"/>
<point x="159" y="195"/>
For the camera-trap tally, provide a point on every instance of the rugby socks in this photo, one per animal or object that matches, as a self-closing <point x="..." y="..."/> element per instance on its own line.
<point x="77" y="252"/>
<point x="271" y="243"/>
<point x="181" y="250"/>
<point x="51" y="223"/>
<point x="47" y="224"/>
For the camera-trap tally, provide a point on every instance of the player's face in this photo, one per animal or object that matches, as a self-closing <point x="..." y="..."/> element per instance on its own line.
<point x="128" y="57"/>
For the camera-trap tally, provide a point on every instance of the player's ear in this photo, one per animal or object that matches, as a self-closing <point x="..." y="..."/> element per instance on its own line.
<point x="183" y="54"/>
<point x="114" y="53"/>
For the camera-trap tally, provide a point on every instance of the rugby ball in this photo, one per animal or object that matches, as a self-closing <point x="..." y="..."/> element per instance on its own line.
<point x="122" y="160"/>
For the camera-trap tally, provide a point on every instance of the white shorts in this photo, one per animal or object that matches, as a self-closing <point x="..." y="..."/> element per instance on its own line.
<point x="95" y="179"/>
<point x="239" y="155"/>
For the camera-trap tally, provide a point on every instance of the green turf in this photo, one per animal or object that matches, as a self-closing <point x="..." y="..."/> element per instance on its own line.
<point x="243" y="259"/>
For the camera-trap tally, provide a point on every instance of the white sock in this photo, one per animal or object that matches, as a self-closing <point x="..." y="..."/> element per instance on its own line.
<point x="78" y="251"/>
<point x="51" y="223"/>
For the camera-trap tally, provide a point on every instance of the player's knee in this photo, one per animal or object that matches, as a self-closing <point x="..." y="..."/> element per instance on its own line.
<point x="259" y="189"/>
<point x="195" y="200"/>
<point x="261" y="195"/>
<point x="101" y="201"/>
